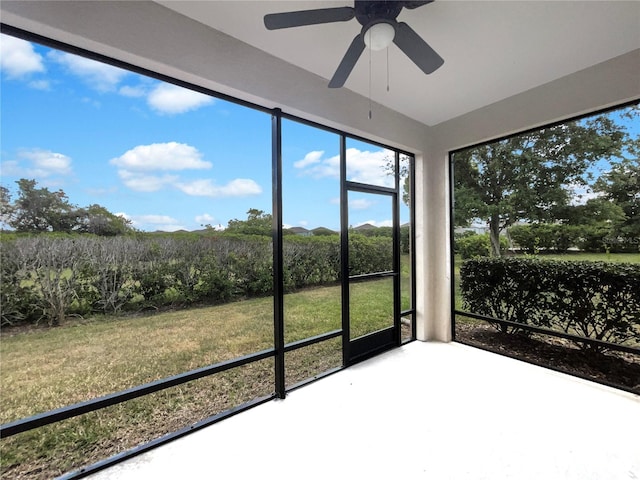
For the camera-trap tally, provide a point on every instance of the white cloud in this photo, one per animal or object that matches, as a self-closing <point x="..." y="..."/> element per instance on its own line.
<point x="37" y="163"/>
<point x="161" y="156"/>
<point x="138" y="169"/>
<point x="328" y="167"/>
<point x="91" y="101"/>
<point x="310" y="158"/>
<point x="101" y="191"/>
<point x="98" y="75"/>
<point x="240" y="187"/>
<point x="204" y="218"/>
<point x="171" y="99"/>
<point x="164" y="223"/>
<point x="18" y="58"/>
<point x="369" y="167"/>
<point x="360" y="203"/>
<point x="40" y="84"/>
<point x="133" y="92"/>
<point x="156" y="219"/>
<point x="141" y="182"/>
<point x="362" y="166"/>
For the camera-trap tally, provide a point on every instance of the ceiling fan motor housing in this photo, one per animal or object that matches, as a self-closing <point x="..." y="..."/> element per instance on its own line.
<point x="368" y="11"/>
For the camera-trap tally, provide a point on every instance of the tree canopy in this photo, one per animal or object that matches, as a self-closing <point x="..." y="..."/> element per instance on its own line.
<point x="38" y="210"/>
<point x="621" y="186"/>
<point x="257" y="223"/>
<point x="531" y="177"/>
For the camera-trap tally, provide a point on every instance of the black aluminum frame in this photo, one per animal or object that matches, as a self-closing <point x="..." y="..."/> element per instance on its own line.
<point x="529" y="328"/>
<point x="356" y="350"/>
<point x="280" y="348"/>
<point x="411" y="312"/>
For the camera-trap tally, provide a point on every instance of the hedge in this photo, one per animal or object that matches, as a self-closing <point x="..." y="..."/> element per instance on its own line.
<point x="597" y="300"/>
<point x="477" y="245"/>
<point x="49" y="277"/>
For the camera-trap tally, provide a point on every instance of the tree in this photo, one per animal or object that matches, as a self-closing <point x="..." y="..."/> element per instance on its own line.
<point x="527" y="177"/>
<point x="39" y="210"/>
<point x="257" y="223"/>
<point x="98" y="220"/>
<point x="621" y="185"/>
<point x="6" y="208"/>
<point x="404" y="171"/>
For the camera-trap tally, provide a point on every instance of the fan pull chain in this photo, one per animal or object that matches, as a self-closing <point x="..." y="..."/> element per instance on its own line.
<point x="370" y="83"/>
<point x="387" y="69"/>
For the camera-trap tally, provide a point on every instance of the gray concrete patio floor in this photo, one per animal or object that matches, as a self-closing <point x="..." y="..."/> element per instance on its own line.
<point x="426" y="410"/>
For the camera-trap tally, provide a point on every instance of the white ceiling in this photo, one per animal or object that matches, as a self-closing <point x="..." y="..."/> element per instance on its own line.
<point x="492" y="49"/>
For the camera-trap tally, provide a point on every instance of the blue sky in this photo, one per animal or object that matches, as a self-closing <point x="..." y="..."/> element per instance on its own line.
<point x="166" y="157"/>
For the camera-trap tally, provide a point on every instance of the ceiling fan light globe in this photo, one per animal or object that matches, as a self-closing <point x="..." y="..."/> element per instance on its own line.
<point x="379" y="36"/>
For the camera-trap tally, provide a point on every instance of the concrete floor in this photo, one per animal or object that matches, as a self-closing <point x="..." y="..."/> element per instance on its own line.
<point x="426" y="410"/>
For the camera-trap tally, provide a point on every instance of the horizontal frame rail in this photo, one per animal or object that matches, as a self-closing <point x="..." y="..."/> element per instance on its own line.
<point x="64" y="413"/>
<point x="289" y="347"/>
<point x="372" y="276"/>
<point x="553" y="333"/>
<point x="367" y="188"/>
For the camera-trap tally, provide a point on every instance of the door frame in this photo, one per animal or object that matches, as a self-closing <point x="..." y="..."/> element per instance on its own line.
<point x="361" y="348"/>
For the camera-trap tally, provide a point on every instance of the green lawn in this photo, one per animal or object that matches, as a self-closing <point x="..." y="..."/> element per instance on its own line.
<point x="45" y="369"/>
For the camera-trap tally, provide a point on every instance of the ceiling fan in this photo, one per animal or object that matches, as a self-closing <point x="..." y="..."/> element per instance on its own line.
<point x="379" y="29"/>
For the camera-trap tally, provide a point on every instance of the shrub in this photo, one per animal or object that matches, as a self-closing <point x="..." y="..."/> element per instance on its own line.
<point x="250" y="267"/>
<point x="477" y="245"/>
<point x="52" y="276"/>
<point x="405" y="239"/>
<point x="535" y="237"/>
<point x="532" y="238"/>
<point x="457" y="236"/>
<point x="110" y="269"/>
<point x="369" y="254"/>
<point x="597" y="300"/>
<point x="18" y="300"/>
<point x="593" y="238"/>
<point x="565" y="237"/>
<point x="311" y="261"/>
<point x="505" y="289"/>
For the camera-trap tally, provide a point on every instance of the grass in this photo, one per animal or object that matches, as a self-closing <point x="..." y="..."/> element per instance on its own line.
<point x="594" y="257"/>
<point x="43" y="369"/>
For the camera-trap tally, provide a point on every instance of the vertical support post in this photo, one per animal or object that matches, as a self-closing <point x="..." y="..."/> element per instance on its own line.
<point x="452" y="243"/>
<point x="278" y="282"/>
<point x="344" y="251"/>
<point x="412" y="242"/>
<point x="396" y="252"/>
